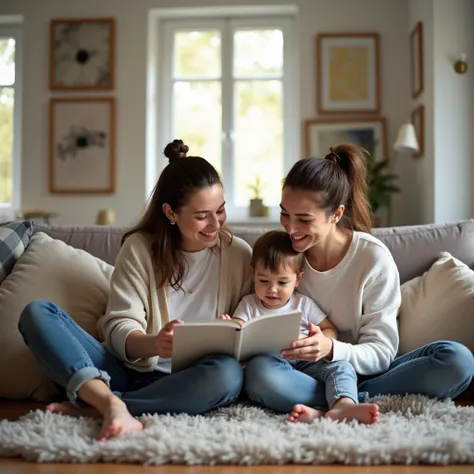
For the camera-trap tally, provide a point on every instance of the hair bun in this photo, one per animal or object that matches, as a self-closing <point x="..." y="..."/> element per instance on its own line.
<point x="333" y="156"/>
<point x="176" y="150"/>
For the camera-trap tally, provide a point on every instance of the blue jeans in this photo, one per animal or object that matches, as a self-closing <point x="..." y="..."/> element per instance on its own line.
<point x="71" y="357"/>
<point x="334" y="380"/>
<point x="440" y="370"/>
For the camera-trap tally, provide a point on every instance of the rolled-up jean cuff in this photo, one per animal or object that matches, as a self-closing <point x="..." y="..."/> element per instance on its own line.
<point x="363" y="397"/>
<point x="80" y="378"/>
<point x="343" y="395"/>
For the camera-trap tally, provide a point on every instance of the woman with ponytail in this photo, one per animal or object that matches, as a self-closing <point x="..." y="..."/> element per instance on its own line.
<point x="353" y="278"/>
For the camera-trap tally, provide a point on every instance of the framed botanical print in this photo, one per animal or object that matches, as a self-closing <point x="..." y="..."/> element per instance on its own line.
<point x="369" y="133"/>
<point x="418" y="121"/>
<point x="416" y="60"/>
<point x="82" y="54"/>
<point x="82" y="145"/>
<point x="348" y="73"/>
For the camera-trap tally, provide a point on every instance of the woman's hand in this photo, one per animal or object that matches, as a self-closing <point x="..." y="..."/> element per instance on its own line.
<point x="225" y="316"/>
<point x="164" y="339"/>
<point x="312" y="348"/>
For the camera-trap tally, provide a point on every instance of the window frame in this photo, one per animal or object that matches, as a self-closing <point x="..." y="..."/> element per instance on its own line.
<point x="7" y="210"/>
<point x="227" y="24"/>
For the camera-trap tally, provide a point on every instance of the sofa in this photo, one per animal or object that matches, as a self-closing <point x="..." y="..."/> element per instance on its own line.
<point x="415" y="249"/>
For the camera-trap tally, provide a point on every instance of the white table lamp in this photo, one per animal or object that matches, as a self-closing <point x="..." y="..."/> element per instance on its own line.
<point x="406" y="139"/>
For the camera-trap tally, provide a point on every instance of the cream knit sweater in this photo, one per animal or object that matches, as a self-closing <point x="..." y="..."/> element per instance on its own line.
<point x="136" y="304"/>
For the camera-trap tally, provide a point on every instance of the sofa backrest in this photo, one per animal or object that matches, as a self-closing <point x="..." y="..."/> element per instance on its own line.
<point x="414" y="248"/>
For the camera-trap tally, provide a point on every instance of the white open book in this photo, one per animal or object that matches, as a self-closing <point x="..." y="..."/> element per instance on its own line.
<point x="267" y="334"/>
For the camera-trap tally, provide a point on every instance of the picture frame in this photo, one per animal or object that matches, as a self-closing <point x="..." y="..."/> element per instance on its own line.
<point x="416" y="60"/>
<point x="418" y="121"/>
<point x="321" y="133"/>
<point x="82" y="145"/>
<point x="82" y="54"/>
<point x="348" y="73"/>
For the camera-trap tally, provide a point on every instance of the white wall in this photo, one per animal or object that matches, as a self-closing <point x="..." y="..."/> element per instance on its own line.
<point x="444" y="176"/>
<point x="454" y="111"/>
<point x="422" y="169"/>
<point x="387" y="17"/>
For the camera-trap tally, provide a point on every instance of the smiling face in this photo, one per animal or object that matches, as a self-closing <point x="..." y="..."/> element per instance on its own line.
<point x="306" y="223"/>
<point x="274" y="289"/>
<point x="201" y="219"/>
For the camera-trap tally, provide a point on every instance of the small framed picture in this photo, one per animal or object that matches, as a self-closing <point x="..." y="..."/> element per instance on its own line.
<point x="348" y="73"/>
<point x="82" y="145"/>
<point x="416" y="60"/>
<point x="82" y="54"/>
<point x="418" y="121"/>
<point x="369" y="133"/>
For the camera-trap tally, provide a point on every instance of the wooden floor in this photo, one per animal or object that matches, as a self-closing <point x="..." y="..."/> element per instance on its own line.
<point x="13" y="411"/>
<point x="20" y="467"/>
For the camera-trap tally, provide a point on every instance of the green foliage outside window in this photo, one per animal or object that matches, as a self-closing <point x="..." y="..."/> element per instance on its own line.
<point x="7" y="60"/>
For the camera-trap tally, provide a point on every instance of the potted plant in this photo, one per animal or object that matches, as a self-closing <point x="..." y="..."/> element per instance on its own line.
<point x="381" y="183"/>
<point x="257" y="209"/>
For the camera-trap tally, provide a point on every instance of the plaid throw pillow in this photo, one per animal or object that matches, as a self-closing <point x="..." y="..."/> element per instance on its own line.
<point x="14" y="239"/>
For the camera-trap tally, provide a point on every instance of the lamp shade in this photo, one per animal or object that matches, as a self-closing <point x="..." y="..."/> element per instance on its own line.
<point x="406" y="138"/>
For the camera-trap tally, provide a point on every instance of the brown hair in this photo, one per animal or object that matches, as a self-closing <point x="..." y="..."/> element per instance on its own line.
<point x="339" y="178"/>
<point x="181" y="178"/>
<point x="274" y="249"/>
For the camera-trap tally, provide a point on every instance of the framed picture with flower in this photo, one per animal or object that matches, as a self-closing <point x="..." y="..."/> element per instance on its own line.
<point x="82" y="145"/>
<point x="82" y="55"/>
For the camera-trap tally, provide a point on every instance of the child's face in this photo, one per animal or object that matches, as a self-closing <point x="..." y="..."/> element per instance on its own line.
<point x="275" y="289"/>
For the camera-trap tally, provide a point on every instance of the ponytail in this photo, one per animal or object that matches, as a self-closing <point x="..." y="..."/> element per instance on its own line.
<point x="339" y="178"/>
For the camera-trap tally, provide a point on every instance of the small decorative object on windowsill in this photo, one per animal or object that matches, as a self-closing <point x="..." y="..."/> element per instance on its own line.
<point x="257" y="208"/>
<point x="105" y="217"/>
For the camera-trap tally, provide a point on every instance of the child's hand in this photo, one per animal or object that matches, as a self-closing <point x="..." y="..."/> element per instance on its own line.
<point x="224" y="316"/>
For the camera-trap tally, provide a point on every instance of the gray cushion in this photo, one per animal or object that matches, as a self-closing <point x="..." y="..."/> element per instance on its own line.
<point x="416" y="248"/>
<point x="100" y="241"/>
<point x="14" y="238"/>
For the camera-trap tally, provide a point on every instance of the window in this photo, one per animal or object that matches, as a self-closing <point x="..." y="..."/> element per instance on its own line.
<point x="228" y="92"/>
<point x="9" y="121"/>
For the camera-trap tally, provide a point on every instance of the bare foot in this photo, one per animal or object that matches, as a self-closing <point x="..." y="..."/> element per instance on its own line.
<point x="304" y="414"/>
<point x="367" y="413"/>
<point x="67" y="408"/>
<point x="118" y="421"/>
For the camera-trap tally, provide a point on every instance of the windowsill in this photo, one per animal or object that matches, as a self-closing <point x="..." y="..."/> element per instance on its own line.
<point x="253" y="222"/>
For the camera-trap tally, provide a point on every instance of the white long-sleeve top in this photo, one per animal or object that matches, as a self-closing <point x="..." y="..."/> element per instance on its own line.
<point x="361" y="297"/>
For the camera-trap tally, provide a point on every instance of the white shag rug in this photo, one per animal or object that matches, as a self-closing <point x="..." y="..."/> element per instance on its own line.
<point x="412" y="430"/>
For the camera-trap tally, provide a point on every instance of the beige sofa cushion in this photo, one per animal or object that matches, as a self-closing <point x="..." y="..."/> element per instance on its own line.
<point x="439" y="305"/>
<point x="52" y="270"/>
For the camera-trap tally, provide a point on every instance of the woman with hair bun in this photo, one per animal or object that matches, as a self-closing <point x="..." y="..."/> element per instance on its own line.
<point x="353" y="278"/>
<point x="177" y="264"/>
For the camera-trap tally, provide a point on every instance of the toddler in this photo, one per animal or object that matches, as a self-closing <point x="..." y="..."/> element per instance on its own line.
<point x="277" y="271"/>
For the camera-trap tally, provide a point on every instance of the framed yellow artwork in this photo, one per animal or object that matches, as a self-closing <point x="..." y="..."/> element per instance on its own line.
<point x="348" y="73"/>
